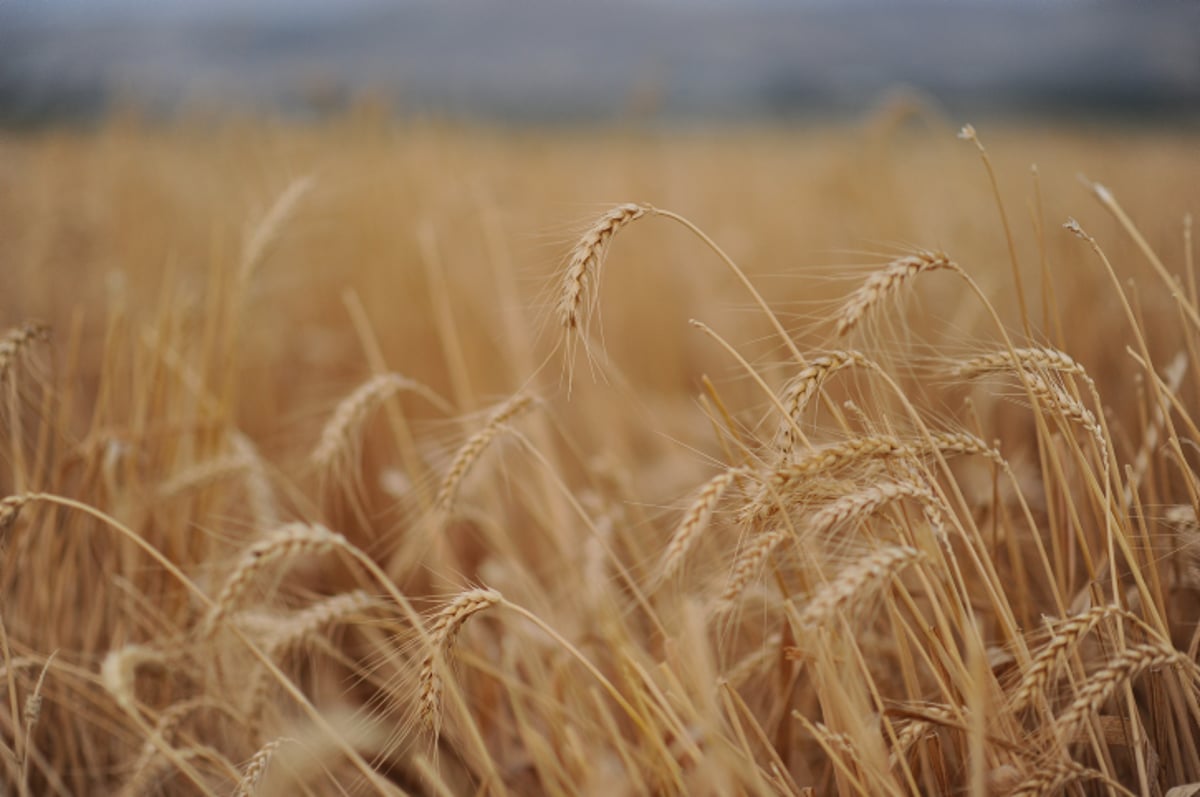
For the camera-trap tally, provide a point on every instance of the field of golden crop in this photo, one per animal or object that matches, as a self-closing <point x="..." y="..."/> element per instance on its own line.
<point x="369" y="458"/>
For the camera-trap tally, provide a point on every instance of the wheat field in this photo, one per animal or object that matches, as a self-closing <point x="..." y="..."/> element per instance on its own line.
<point x="369" y="457"/>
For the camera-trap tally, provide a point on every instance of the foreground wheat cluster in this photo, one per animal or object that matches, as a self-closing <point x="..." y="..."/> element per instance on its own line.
<point x="892" y="545"/>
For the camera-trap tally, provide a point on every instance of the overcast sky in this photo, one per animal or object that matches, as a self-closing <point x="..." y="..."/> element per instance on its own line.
<point x="563" y="59"/>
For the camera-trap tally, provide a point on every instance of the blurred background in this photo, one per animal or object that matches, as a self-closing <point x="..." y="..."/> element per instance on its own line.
<point x="650" y="61"/>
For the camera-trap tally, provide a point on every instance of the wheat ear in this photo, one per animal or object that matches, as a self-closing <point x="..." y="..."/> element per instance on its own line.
<point x="855" y="584"/>
<point x="1066" y="635"/>
<point x="1037" y="358"/>
<point x="442" y="633"/>
<point x="1069" y="407"/>
<point x="16" y="341"/>
<point x="584" y="265"/>
<point x="204" y="474"/>
<point x="290" y="540"/>
<point x="800" y="390"/>
<point x="696" y="519"/>
<point x="256" y="767"/>
<point x="768" y="498"/>
<point x="747" y="564"/>
<point x="869" y="501"/>
<point x="10" y="508"/>
<point x="302" y="626"/>
<point x="1055" y="776"/>
<point x="144" y="770"/>
<point x="343" y="426"/>
<point x="1103" y="684"/>
<point x="887" y="282"/>
<point x="471" y="450"/>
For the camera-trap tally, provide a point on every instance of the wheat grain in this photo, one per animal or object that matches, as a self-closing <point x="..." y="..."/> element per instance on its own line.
<point x="886" y="283"/>
<point x="291" y="540"/>
<point x="583" y="267"/>
<point x="442" y="633"/>
<point x="470" y="451"/>
<point x="696" y="519"/>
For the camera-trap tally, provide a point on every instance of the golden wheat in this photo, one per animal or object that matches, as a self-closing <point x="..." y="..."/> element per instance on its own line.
<point x="16" y="341"/>
<point x="442" y="633"/>
<point x="886" y="283"/>
<point x="286" y="542"/>
<point x="471" y="450"/>
<point x="800" y="391"/>
<point x="854" y="585"/>
<point x="696" y="519"/>
<point x="583" y="268"/>
<point x="1101" y="685"/>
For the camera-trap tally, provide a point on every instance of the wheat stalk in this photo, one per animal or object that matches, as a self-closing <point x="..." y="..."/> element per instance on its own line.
<point x="471" y="450"/>
<point x="442" y="633"/>
<point x="290" y="540"/>
<point x="583" y="268"/>
<point x="887" y="282"/>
